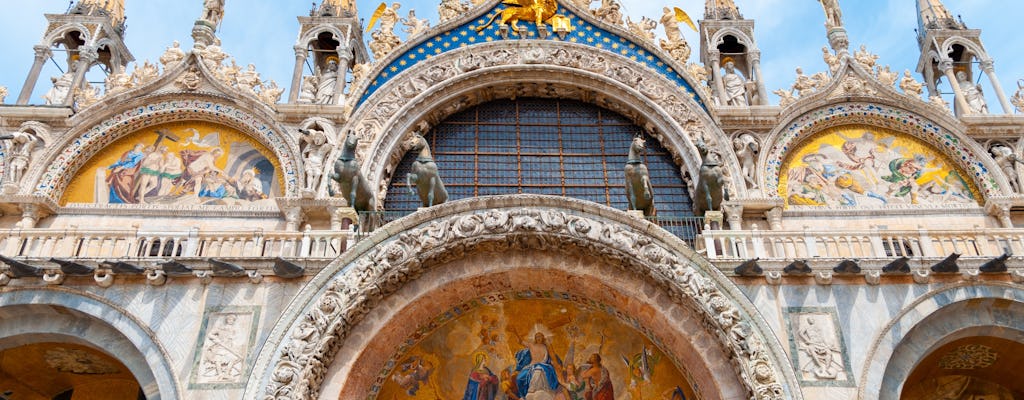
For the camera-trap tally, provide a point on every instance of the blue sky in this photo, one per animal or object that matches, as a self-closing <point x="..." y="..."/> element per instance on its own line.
<point x="790" y="33"/>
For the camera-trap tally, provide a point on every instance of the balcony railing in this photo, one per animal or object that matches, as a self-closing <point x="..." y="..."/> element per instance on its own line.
<point x="860" y="244"/>
<point x="114" y="244"/>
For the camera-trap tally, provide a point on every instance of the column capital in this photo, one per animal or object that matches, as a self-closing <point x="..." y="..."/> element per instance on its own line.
<point x="987" y="65"/>
<point x="301" y="51"/>
<point x="43" y="52"/>
<point x="755" y="56"/>
<point x="715" y="54"/>
<point x="89" y="54"/>
<point x="946" y="64"/>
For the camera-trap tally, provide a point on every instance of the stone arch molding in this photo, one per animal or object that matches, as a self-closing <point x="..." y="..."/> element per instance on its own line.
<point x="300" y="349"/>
<point x="53" y="171"/>
<point x="937" y="131"/>
<point x="33" y="316"/>
<point x="926" y="325"/>
<point x="456" y="80"/>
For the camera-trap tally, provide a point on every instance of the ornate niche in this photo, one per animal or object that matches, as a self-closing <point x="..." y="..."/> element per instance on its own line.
<point x="179" y="164"/>
<point x="864" y="166"/>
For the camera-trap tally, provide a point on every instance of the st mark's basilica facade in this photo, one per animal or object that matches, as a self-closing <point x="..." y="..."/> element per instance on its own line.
<point x="527" y="199"/>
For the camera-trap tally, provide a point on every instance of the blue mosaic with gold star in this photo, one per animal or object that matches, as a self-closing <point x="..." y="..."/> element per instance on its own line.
<point x="583" y="32"/>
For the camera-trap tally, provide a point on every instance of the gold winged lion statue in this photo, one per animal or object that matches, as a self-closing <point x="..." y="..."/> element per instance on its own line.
<point x="540" y="12"/>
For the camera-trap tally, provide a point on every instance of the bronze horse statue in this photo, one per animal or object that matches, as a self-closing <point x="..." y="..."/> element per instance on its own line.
<point x="711" y="183"/>
<point x="429" y="187"/>
<point x="353" y="185"/>
<point x="638" y="180"/>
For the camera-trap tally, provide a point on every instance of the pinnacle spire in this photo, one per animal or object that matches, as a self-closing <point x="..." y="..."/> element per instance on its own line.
<point x="932" y="14"/>
<point x="114" y="8"/>
<point x="721" y="9"/>
<point x="338" y="7"/>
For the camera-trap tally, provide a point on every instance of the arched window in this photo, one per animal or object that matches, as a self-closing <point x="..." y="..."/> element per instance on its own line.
<point x="542" y="146"/>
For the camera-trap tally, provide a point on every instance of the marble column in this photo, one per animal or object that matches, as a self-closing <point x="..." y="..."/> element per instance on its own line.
<point x="762" y="90"/>
<point x="301" y="53"/>
<point x="87" y="55"/>
<point x="929" y="78"/>
<point x="961" y="101"/>
<point x="990" y="70"/>
<point x="43" y="53"/>
<point x="344" y="65"/>
<point x="716" y="74"/>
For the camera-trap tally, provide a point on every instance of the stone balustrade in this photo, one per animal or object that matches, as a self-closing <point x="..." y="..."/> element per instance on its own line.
<point x="858" y="244"/>
<point x="137" y="244"/>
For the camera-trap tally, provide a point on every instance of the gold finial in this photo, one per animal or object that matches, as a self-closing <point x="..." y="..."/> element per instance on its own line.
<point x="113" y="7"/>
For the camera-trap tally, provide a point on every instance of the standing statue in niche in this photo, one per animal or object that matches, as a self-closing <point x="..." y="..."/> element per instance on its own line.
<point x="735" y="87"/>
<point x="1007" y="162"/>
<point x="972" y="94"/>
<point x="327" y="86"/>
<point x="711" y="183"/>
<point x="424" y="173"/>
<point x="349" y="177"/>
<point x="639" y="192"/>
<point x="19" y="152"/>
<point x="314" y="150"/>
<point x="746" y="149"/>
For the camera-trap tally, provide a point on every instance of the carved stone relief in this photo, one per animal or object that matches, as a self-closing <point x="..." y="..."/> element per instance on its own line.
<point x="817" y="347"/>
<point x="222" y="354"/>
<point x="303" y="357"/>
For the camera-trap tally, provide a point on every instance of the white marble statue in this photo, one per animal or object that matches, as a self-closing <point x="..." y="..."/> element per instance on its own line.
<point x="610" y="12"/>
<point x="145" y="73"/>
<point x="307" y="94"/>
<point x="270" y="93"/>
<point x="228" y="73"/>
<point x="1007" y="162"/>
<point x="327" y="85"/>
<point x="3" y="94"/>
<point x="735" y="87"/>
<point x="172" y="56"/>
<point x="910" y="85"/>
<point x="249" y="79"/>
<point x="389" y="18"/>
<point x="414" y="26"/>
<point x="972" y="94"/>
<point x="213" y="11"/>
<point x="831" y="60"/>
<point x="939" y="102"/>
<point x="61" y="87"/>
<point x="451" y="9"/>
<point x="86" y="96"/>
<point x="118" y="82"/>
<point x="886" y="75"/>
<point x="19" y="146"/>
<point x="833" y="13"/>
<point x="1017" y="100"/>
<point x="315" y="149"/>
<point x="786" y="97"/>
<point x="746" y="148"/>
<point x="865" y="57"/>
<point x="644" y="28"/>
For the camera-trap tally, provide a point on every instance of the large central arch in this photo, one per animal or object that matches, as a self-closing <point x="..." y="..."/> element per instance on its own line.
<point x="338" y="309"/>
<point x="458" y="79"/>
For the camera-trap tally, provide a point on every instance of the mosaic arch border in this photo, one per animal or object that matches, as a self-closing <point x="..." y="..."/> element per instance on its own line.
<point x="63" y="164"/>
<point x="876" y="377"/>
<point x="389" y="116"/>
<point x="303" y="343"/>
<point x="164" y="383"/>
<point x="967" y="155"/>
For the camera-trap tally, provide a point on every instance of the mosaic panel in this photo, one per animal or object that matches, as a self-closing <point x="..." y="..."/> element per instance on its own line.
<point x="541" y="345"/>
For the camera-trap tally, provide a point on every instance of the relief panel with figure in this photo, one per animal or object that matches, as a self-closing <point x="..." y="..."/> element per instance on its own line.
<point x="179" y="164"/>
<point x="533" y="345"/>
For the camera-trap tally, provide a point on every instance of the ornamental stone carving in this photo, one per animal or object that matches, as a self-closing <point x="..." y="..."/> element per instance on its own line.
<point x="310" y="345"/>
<point x="1017" y="100"/>
<point x="78" y="362"/>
